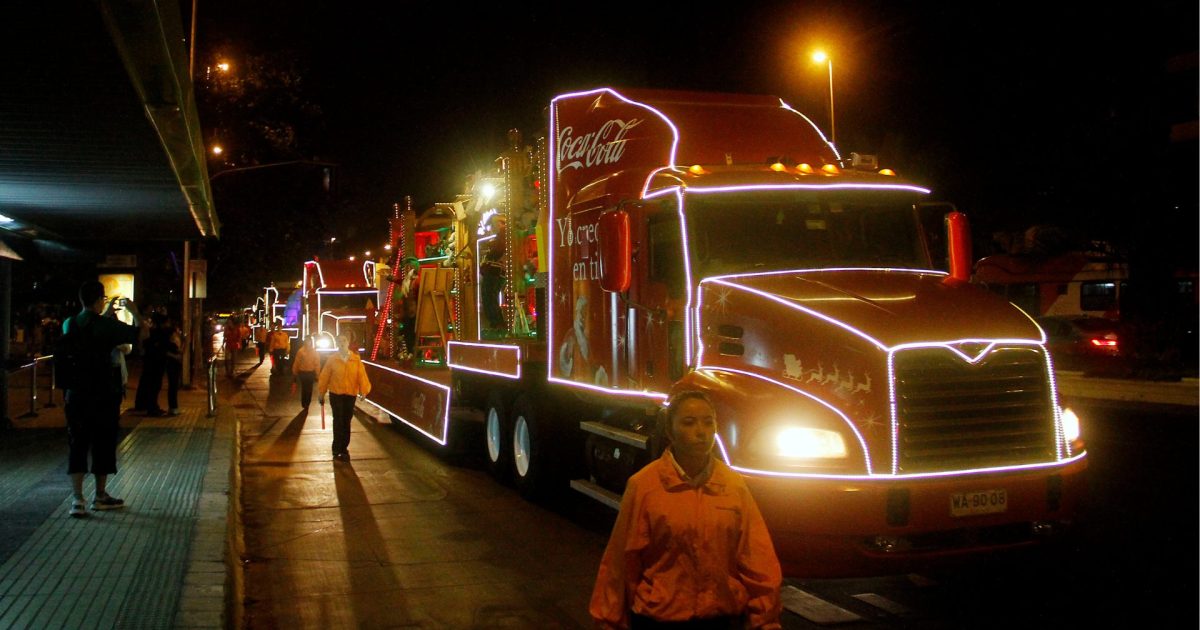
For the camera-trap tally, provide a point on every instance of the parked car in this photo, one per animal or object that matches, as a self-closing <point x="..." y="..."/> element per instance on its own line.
<point x="1090" y="344"/>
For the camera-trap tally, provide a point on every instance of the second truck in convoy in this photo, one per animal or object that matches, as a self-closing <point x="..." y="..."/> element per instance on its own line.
<point x="884" y="412"/>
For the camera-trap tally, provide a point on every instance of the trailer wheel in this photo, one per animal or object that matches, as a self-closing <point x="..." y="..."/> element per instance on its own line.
<point x="497" y="432"/>
<point x="532" y="455"/>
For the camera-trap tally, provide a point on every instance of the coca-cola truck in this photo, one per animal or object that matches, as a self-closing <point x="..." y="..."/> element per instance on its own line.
<point x="884" y="412"/>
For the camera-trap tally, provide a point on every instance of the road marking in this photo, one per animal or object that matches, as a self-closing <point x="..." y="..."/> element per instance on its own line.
<point x="920" y="580"/>
<point x="883" y="603"/>
<point x="814" y="608"/>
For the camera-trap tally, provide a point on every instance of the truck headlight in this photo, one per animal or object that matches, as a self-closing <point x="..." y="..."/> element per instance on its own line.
<point x="1070" y="425"/>
<point x="809" y="443"/>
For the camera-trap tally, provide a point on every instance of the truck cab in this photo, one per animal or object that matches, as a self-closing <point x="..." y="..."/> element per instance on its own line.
<point x="884" y="411"/>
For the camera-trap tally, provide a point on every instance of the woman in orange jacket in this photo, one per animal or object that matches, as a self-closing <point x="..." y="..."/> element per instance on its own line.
<point x="305" y="367"/>
<point x="343" y="378"/>
<point x="689" y="548"/>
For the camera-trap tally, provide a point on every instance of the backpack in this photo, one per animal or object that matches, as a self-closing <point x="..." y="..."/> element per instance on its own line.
<point x="77" y="365"/>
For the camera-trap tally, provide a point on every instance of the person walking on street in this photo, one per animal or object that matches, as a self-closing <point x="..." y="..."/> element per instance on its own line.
<point x="260" y="342"/>
<point x="305" y="367"/>
<point x="343" y="378"/>
<point x="689" y="548"/>
<point x="278" y="344"/>
<point x="232" y="344"/>
<point x="94" y="393"/>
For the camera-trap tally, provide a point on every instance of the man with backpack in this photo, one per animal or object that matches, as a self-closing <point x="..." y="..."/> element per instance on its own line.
<point x="94" y="390"/>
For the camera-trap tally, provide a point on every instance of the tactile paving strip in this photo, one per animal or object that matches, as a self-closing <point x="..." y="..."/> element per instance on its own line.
<point x="136" y="556"/>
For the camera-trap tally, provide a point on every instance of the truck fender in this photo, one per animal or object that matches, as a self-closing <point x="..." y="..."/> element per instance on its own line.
<point x="748" y="403"/>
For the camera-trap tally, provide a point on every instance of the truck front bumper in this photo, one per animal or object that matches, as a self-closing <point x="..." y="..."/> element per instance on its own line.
<point x="836" y="528"/>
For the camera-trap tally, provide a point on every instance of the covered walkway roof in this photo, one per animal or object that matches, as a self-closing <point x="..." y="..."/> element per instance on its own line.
<point x="99" y="135"/>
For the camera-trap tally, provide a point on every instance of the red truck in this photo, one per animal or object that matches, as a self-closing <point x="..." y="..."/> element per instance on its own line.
<point x="884" y="413"/>
<point x="337" y="298"/>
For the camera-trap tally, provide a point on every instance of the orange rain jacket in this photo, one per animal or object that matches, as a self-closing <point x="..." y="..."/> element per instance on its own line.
<point x="278" y="340"/>
<point x="679" y="552"/>
<point x="343" y="376"/>
<point x="306" y="360"/>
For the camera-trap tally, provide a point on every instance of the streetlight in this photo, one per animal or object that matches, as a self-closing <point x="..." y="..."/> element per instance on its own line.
<point x="820" y="57"/>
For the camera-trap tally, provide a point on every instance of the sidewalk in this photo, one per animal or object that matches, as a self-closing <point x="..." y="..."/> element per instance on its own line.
<point x="157" y="563"/>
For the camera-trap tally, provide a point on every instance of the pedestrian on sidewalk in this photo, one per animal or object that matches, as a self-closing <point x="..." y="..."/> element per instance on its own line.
<point x="173" y="353"/>
<point x="93" y="397"/>
<point x="689" y="548"/>
<point x="278" y="344"/>
<point x="344" y="378"/>
<point x="231" y="344"/>
<point x="305" y="367"/>
<point x="154" y="367"/>
<point x="260" y="342"/>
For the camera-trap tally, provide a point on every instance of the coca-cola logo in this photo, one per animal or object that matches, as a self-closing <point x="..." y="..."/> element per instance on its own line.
<point x="603" y="146"/>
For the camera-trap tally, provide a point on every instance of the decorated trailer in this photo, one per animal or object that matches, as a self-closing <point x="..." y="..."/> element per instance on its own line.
<point x="885" y="413"/>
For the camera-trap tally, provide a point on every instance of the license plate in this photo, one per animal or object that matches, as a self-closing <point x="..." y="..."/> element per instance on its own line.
<point x="979" y="502"/>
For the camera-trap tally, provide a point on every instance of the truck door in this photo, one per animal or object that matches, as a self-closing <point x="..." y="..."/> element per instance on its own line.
<point x="657" y="305"/>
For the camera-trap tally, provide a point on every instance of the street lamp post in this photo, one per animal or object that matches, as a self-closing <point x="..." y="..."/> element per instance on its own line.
<point x="819" y="57"/>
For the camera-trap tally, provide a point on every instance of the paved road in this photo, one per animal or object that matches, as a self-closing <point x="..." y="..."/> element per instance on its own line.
<point x="399" y="537"/>
<point x="409" y="536"/>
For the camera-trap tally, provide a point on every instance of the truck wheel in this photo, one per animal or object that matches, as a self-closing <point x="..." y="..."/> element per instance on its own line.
<point x="497" y="434"/>
<point x="532" y="454"/>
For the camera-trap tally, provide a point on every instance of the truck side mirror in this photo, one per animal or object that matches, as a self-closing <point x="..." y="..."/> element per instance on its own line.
<point x="616" y="251"/>
<point x="958" y="245"/>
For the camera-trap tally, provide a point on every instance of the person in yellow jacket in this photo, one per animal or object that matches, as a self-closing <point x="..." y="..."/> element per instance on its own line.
<point x="305" y="367"/>
<point x="278" y="344"/>
<point x="343" y="378"/>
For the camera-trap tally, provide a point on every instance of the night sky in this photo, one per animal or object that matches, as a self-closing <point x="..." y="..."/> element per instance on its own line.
<point x="1020" y="113"/>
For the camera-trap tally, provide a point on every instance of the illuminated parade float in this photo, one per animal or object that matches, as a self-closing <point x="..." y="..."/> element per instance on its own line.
<point x="884" y="411"/>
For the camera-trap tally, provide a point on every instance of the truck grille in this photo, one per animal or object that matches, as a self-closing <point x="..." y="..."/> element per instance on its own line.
<point x="955" y="415"/>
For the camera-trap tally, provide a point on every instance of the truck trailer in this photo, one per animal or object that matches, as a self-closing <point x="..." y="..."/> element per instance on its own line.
<point x="885" y="412"/>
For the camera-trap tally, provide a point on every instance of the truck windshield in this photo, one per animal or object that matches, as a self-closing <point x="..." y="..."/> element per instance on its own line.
<point x="775" y="230"/>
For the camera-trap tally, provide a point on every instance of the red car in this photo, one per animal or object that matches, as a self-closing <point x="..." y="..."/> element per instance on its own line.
<point x="1076" y="342"/>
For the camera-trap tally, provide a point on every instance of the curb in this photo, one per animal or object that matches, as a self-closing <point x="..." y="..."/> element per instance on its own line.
<point x="1185" y="392"/>
<point x="235" y="547"/>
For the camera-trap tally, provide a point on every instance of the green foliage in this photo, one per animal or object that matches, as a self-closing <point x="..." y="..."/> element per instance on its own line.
<point x="258" y="110"/>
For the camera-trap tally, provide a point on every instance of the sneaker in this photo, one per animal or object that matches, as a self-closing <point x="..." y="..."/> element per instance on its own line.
<point x="342" y="457"/>
<point x="173" y="412"/>
<point x="107" y="503"/>
<point x="78" y="509"/>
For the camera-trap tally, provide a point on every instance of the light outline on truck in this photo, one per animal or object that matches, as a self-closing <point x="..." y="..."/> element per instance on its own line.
<point x="479" y="286"/>
<point x="1062" y="460"/>
<point x="320" y="274"/>
<point x="893" y="476"/>
<point x="450" y="358"/>
<point x="1062" y="450"/>
<point x="1064" y="444"/>
<point x="675" y="167"/>
<point x="553" y="177"/>
<point x="849" y="423"/>
<point x="445" y="413"/>
<point x="797" y="112"/>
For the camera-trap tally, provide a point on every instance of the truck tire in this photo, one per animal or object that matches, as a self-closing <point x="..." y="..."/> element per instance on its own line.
<point x="533" y="456"/>
<point x="497" y="435"/>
